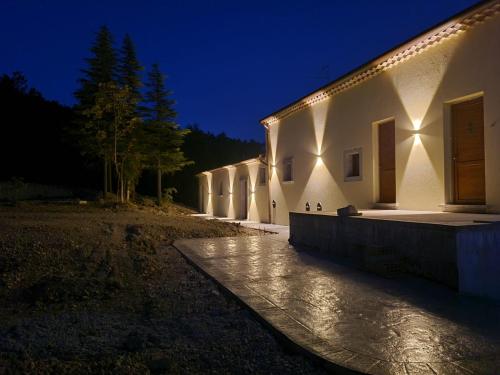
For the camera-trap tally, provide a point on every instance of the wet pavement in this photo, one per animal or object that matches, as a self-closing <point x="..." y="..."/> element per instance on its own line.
<point x="354" y="319"/>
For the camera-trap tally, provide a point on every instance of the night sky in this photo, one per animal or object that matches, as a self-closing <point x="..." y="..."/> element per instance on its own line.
<point x="229" y="63"/>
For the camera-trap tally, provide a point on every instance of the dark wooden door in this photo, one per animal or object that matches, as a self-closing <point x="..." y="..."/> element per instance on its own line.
<point x="387" y="162"/>
<point x="468" y="152"/>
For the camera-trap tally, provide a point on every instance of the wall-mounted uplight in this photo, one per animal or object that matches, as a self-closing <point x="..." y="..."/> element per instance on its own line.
<point x="308" y="206"/>
<point x="417" y="124"/>
<point x="319" y="207"/>
<point x="319" y="160"/>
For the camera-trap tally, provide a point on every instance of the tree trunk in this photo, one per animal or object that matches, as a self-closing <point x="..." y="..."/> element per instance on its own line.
<point x="110" y="177"/>
<point x="121" y="185"/>
<point x="158" y="187"/>
<point x="105" y="190"/>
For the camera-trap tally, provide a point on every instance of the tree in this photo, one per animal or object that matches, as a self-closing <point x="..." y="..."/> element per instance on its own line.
<point x="116" y="124"/>
<point x="163" y="137"/>
<point x="129" y="69"/>
<point x="101" y="70"/>
<point x="129" y="77"/>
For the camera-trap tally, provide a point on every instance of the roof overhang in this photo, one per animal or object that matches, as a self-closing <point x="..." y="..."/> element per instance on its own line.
<point x="452" y="26"/>
<point x="258" y="159"/>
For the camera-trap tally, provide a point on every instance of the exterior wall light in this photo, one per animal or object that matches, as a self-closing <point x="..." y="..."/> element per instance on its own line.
<point x="308" y="206"/>
<point x="274" y="203"/>
<point x="319" y="207"/>
<point x="417" y="123"/>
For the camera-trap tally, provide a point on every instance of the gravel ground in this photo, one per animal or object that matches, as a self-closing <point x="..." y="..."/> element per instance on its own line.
<point x="92" y="289"/>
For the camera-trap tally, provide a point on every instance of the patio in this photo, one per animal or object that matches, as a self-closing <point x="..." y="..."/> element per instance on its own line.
<point x="351" y="319"/>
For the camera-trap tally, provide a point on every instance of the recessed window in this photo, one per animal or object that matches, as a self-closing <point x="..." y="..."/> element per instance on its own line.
<point x="352" y="165"/>
<point x="262" y="176"/>
<point x="221" y="189"/>
<point x="288" y="170"/>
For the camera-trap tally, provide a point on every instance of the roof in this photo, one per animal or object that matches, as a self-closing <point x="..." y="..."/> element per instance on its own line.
<point x="430" y="37"/>
<point x="244" y="162"/>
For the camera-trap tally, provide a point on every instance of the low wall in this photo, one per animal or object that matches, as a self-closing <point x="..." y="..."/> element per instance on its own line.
<point x="463" y="257"/>
<point x="478" y="260"/>
<point x="19" y="191"/>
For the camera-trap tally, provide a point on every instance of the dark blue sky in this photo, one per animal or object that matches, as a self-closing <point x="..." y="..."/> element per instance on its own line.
<point x="229" y="63"/>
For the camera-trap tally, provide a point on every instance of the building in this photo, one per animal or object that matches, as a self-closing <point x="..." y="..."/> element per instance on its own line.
<point x="236" y="191"/>
<point x="416" y="128"/>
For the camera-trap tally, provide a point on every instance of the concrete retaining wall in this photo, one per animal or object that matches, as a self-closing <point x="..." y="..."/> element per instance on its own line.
<point x="463" y="257"/>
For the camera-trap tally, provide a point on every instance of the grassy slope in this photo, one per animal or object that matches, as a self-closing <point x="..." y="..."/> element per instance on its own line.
<point x="93" y="289"/>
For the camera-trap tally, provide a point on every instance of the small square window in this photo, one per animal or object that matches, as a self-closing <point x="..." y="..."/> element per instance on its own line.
<point x="262" y="176"/>
<point x="353" y="165"/>
<point x="288" y="170"/>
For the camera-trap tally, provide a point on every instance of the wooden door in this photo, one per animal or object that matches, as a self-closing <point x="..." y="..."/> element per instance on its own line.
<point x="468" y="152"/>
<point x="243" y="198"/>
<point x="387" y="162"/>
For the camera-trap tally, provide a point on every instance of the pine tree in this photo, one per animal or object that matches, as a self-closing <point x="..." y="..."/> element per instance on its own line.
<point x="129" y="77"/>
<point x="101" y="70"/>
<point x="129" y="69"/>
<point x="163" y="137"/>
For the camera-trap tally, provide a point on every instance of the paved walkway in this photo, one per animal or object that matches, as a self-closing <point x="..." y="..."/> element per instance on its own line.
<point x="350" y="318"/>
<point x="282" y="230"/>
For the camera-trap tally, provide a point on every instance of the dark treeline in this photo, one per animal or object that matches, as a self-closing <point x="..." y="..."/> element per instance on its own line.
<point x="208" y="151"/>
<point x="34" y="142"/>
<point x="37" y="145"/>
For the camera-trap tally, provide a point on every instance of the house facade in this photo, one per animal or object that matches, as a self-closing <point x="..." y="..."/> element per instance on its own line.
<point x="417" y="128"/>
<point x="238" y="191"/>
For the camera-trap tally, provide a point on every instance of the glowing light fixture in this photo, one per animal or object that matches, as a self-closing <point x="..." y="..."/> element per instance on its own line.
<point x="319" y="160"/>
<point x="417" y="124"/>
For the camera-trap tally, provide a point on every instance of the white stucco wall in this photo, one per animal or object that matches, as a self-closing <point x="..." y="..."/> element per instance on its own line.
<point x="419" y="92"/>
<point x="228" y="203"/>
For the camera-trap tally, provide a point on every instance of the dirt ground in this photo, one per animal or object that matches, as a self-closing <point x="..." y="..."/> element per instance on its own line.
<point x="95" y="289"/>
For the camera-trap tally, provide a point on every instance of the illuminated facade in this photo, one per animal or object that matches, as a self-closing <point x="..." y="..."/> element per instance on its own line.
<point x="238" y="191"/>
<point x="417" y="128"/>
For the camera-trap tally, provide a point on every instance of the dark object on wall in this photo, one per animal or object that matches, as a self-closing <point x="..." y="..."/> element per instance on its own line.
<point x="319" y="207"/>
<point x="308" y="207"/>
<point x="348" y="211"/>
<point x="274" y="203"/>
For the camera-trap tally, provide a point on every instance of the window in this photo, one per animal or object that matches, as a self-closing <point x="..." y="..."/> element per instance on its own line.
<point x="288" y="170"/>
<point x="352" y="165"/>
<point x="221" y="189"/>
<point x="262" y="176"/>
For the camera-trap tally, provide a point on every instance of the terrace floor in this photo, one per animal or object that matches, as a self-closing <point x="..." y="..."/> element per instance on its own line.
<point x="352" y="319"/>
<point x="430" y="217"/>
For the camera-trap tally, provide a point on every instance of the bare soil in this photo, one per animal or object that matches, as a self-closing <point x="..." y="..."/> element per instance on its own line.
<point x="99" y="289"/>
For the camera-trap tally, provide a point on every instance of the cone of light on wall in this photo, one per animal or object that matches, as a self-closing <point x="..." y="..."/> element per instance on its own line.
<point x="417" y="124"/>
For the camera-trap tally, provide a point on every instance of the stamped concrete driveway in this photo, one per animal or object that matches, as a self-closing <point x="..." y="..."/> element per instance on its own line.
<point x="352" y="319"/>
